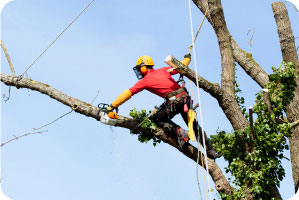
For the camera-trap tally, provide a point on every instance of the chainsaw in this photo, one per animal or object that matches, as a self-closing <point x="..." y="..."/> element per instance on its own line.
<point x="105" y="116"/>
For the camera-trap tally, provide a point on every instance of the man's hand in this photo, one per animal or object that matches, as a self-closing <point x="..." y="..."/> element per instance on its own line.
<point x="188" y="56"/>
<point x="110" y="108"/>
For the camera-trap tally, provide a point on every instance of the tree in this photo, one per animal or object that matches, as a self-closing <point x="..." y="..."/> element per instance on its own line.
<point x="224" y="94"/>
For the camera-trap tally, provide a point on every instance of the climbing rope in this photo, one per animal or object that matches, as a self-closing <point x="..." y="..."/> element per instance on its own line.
<point x="208" y="194"/>
<point x="58" y="37"/>
<point x="203" y="19"/>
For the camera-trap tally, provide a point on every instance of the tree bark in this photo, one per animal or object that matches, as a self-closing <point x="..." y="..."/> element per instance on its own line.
<point x="221" y="183"/>
<point x="249" y="65"/>
<point x="224" y="40"/>
<point x="244" y="59"/>
<point x="289" y="54"/>
<point x="227" y="102"/>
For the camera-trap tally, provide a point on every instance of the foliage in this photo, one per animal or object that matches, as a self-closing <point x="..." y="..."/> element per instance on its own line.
<point x="145" y="122"/>
<point x="260" y="168"/>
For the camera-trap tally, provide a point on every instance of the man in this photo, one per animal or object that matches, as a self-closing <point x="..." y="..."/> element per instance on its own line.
<point x="177" y="99"/>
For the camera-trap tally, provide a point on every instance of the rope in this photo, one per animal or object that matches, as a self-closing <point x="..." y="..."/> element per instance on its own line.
<point x="191" y="46"/>
<point x="198" y="147"/>
<point x="58" y="36"/>
<point x="197" y="85"/>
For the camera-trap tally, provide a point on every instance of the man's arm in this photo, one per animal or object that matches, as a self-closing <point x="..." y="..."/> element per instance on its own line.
<point x="127" y="94"/>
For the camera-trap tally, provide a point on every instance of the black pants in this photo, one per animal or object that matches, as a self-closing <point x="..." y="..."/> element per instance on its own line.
<point x="167" y="111"/>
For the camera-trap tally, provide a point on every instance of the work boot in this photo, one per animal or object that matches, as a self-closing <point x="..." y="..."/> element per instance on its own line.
<point x="211" y="153"/>
<point x="182" y="136"/>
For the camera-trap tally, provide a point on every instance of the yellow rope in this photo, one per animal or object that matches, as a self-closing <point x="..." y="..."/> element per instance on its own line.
<point x="203" y="19"/>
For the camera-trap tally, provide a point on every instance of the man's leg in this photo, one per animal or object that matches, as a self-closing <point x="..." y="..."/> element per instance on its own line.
<point x="163" y="117"/>
<point x="198" y="130"/>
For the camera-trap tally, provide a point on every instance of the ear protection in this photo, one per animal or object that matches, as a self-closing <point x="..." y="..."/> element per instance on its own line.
<point x="143" y="69"/>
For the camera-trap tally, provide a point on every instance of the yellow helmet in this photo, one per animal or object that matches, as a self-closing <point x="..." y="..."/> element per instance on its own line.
<point x="145" y="60"/>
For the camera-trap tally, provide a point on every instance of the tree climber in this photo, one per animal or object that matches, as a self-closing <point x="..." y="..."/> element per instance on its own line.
<point x="177" y="99"/>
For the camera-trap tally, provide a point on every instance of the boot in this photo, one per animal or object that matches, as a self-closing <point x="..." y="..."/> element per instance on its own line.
<point x="211" y="153"/>
<point x="182" y="136"/>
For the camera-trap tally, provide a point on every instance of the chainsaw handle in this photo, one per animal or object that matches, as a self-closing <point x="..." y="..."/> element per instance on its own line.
<point x="103" y="106"/>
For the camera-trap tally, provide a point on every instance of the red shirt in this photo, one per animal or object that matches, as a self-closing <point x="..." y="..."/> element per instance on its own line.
<point x="157" y="81"/>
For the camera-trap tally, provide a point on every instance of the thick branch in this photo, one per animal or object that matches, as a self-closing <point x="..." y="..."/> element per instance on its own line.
<point x="250" y="66"/>
<point x="287" y="40"/>
<point x="224" y="41"/>
<point x="289" y="54"/>
<point x="267" y="100"/>
<point x="212" y="88"/>
<point x="222" y="185"/>
<point x="244" y="59"/>
<point x="227" y="102"/>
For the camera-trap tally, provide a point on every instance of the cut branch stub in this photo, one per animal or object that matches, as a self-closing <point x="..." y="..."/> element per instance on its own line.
<point x="212" y="89"/>
<point x="267" y="100"/>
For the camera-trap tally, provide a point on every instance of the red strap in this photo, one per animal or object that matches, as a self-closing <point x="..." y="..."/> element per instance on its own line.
<point x="181" y="94"/>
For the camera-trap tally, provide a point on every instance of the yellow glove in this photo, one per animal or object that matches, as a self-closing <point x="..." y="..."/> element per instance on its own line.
<point x="187" y="59"/>
<point x="191" y="116"/>
<point x="122" y="98"/>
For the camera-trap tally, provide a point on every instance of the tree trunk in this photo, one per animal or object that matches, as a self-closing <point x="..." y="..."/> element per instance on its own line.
<point x="289" y="54"/>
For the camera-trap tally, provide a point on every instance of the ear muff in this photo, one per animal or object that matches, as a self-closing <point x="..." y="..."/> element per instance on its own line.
<point x="143" y="69"/>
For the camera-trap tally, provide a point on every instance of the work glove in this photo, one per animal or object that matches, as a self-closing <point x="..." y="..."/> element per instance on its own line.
<point x="188" y="55"/>
<point x="187" y="59"/>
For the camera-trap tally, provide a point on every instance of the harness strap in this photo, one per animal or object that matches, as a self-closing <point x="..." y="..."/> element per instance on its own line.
<point x="176" y="92"/>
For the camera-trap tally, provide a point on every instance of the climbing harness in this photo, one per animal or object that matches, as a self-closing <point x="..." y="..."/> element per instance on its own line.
<point x="175" y="98"/>
<point x="208" y="194"/>
<point x="21" y="76"/>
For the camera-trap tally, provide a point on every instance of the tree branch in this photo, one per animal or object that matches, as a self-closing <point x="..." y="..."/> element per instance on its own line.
<point x="211" y="88"/>
<point x="224" y="41"/>
<point x="249" y="65"/>
<point x="227" y="102"/>
<point x="287" y="39"/>
<point x="246" y="62"/>
<point x="289" y="54"/>
<point x="222" y="185"/>
<point x="8" y="58"/>
<point x="20" y="136"/>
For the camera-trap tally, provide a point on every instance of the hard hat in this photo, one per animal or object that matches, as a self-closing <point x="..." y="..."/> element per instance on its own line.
<point x="145" y="60"/>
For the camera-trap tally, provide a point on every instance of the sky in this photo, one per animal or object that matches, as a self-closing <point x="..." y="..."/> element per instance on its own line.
<point x="80" y="158"/>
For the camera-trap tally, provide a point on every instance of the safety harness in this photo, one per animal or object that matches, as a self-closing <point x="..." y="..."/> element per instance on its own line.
<point x="177" y="97"/>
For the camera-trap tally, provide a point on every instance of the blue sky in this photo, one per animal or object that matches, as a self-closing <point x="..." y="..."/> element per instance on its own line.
<point x="80" y="158"/>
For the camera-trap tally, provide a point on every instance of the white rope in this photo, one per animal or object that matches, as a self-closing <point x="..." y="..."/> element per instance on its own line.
<point x="58" y="36"/>
<point x="200" y="109"/>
